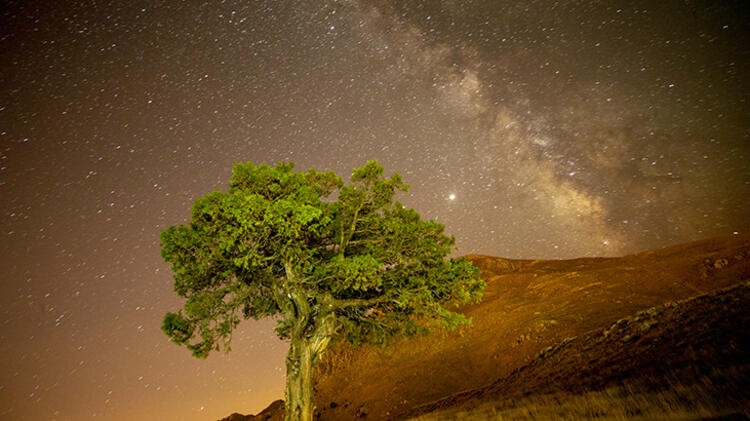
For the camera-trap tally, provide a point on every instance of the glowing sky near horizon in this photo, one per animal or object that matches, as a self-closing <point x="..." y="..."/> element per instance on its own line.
<point x="531" y="129"/>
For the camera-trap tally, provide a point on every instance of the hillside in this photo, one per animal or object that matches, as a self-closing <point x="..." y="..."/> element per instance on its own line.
<point x="688" y="359"/>
<point x="529" y="306"/>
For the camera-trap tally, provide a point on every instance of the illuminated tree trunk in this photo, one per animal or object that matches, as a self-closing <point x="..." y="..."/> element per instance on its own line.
<point x="306" y="346"/>
<point x="300" y="397"/>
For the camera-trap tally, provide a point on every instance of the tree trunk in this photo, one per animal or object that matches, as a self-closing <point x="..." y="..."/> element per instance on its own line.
<point x="300" y="397"/>
<point x="306" y="344"/>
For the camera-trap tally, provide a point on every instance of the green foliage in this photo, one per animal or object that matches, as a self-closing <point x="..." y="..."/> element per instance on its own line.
<point x="332" y="261"/>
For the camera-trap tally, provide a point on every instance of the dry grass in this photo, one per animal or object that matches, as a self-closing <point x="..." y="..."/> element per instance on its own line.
<point x="681" y="402"/>
<point x="690" y="363"/>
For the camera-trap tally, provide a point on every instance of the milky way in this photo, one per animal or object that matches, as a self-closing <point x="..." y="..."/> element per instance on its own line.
<point x="531" y="129"/>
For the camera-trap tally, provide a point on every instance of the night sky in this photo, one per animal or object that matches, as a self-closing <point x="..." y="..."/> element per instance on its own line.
<point x="532" y="129"/>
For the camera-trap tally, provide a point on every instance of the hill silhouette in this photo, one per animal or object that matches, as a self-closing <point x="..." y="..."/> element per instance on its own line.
<point x="662" y="321"/>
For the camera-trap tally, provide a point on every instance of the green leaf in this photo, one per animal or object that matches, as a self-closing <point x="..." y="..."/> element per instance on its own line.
<point x="305" y="247"/>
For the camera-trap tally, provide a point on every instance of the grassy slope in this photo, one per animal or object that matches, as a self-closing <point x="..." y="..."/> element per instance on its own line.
<point x="528" y="306"/>
<point x="682" y="360"/>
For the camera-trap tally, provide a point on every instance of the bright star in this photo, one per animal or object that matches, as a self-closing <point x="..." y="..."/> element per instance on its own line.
<point x="452" y="196"/>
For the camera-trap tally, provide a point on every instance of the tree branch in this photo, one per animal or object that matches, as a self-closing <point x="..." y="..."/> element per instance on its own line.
<point x="358" y="302"/>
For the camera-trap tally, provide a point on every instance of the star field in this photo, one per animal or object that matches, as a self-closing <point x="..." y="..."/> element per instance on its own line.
<point x="531" y="129"/>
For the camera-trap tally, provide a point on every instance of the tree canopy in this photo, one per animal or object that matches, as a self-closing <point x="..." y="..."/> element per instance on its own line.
<point x="331" y="261"/>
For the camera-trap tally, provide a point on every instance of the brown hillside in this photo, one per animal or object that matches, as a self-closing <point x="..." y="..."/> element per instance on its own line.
<point x="528" y="305"/>
<point x="695" y="352"/>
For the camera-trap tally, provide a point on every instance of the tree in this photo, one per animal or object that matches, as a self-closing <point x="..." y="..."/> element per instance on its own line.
<point x="330" y="261"/>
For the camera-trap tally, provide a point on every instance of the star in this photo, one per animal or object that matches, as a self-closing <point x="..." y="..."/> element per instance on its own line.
<point x="571" y="131"/>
